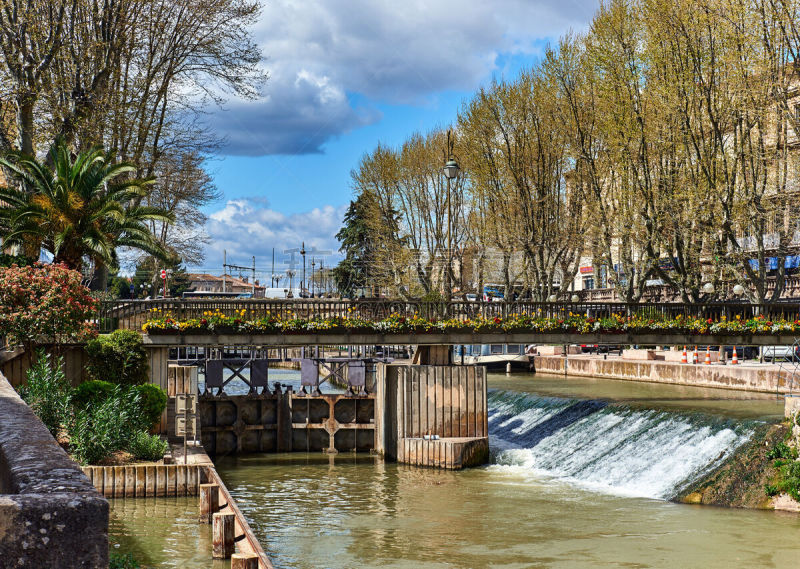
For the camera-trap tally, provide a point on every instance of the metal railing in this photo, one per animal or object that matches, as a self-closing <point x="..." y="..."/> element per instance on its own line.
<point x="132" y="314"/>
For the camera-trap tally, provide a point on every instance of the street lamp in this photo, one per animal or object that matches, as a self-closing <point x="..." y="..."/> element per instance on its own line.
<point x="738" y="290"/>
<point x="313" y="264"/>
<point x="451" y="170"/>
<point x="708" y="288"/>
<point x="552" y="298"/>
<point x="290" y="273"/>
<point x="575" y="298"/>
<point x="303" y="282"/>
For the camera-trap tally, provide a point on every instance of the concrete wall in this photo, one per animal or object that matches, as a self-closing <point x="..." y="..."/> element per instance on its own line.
<point x="50" y="514"/>
<point x="743" y="378"/>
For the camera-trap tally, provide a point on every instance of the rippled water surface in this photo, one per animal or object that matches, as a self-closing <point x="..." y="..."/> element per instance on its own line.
<point x="581" y="475"/>
<point x="162" y="532"/>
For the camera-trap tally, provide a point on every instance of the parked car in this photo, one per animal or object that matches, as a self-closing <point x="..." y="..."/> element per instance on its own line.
<point x="785" y="353"/>
<point x="471" y="297"/>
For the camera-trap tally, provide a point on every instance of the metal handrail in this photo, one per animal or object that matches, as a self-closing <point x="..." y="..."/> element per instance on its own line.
<point x="131" y="314"/>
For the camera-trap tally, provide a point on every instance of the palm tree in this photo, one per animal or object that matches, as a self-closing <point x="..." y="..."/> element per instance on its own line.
<point x="84" y="206"/>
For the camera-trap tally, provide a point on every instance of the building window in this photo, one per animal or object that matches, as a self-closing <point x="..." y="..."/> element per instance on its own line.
<point x="588" y="283"/>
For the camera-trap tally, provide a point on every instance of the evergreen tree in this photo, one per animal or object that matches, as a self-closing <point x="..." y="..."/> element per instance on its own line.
<point x="354" y="236"/>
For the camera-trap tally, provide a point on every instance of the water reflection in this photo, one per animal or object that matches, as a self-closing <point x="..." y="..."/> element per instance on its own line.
<point x="314" y="511"/>
<point x="162" y="533"/>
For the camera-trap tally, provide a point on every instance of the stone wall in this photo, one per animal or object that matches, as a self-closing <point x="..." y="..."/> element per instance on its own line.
<point x="50" y="514"/>
<point x="745" y="378"/>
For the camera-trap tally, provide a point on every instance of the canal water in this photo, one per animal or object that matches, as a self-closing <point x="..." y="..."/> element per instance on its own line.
<point x="582" y="474"/>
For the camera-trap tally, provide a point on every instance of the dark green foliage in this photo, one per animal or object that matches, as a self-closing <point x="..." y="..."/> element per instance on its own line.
<point x="7" y="260"/>
<point x="96" y="432"/>
<point x="771" y="490"/>
<point x="120" y="561"/>
<point x="118" y="358"/>
<point x="789" y="479"/>
<point x="144" y="446"/>
<point x="91" y="392"/>
<point x="178" y="281"/>
<point x="365" y="233"/>
<point x="782" y="450"/>
<point x="47" y="391"/>
<point x="152" y="401"/>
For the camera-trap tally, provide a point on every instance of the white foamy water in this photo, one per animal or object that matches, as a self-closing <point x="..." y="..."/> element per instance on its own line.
<point x="608" y="447"/>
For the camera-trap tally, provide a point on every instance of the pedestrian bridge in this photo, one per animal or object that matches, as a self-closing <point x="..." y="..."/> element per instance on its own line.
<point x="133" y="314"/>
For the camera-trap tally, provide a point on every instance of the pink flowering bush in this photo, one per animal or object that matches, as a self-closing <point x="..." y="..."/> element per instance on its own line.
<point x="44" y="303"/>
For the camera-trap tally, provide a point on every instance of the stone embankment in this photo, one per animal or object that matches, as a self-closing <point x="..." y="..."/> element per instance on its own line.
<point x="50" y="514"/>
<point x="768" y="379"/>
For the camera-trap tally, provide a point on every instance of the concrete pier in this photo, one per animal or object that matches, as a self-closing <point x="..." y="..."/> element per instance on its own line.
<point x="432" y="415"/>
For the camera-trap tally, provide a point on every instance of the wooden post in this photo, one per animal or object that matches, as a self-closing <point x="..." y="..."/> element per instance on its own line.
<point x="209" y="502"/>
<point x="244" y="561"/>
<point x="222" y="535"/>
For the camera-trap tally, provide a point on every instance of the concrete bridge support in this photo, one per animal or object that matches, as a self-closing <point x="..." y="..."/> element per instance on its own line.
<point x="432" y="415"/>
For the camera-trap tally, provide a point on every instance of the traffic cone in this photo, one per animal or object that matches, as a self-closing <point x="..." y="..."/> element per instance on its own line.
<point x="694" y="355"/>
<point x="708" y="355"/>
<point x="734" y="359"/>
<point x="684" y="360"/>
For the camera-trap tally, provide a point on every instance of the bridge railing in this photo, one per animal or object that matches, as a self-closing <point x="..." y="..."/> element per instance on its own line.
<point x="132" y="314"/>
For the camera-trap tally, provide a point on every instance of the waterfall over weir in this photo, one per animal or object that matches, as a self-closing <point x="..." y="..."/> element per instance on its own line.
<point x="609" y="446"/>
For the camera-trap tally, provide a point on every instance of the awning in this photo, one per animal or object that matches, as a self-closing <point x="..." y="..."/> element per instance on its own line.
<point x="791" y="262"/>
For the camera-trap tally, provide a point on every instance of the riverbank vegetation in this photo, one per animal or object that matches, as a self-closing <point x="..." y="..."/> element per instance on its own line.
<point x="659" y="147"/>
<point x="764" y="473"/>
<point x="96" y="419"/>
<point x="217" y="322"/>
<point x="785" y="465"/>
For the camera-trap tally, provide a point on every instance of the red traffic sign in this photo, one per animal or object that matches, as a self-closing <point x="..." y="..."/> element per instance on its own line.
<point x="163" y="274"/>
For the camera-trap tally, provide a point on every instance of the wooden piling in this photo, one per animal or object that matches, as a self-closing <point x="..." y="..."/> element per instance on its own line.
<point x="223" y="535"/>
<point x="244" y="561"/>
<point x="209" y="502"/>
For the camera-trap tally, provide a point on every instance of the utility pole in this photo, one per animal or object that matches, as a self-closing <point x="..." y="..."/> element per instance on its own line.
<point x="252" y="268"/>
<point x="272" y="274"/>
<point x="224" y="269"/>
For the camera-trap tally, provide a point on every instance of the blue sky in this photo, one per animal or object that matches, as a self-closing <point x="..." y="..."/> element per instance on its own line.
<point x="344" y="76"/>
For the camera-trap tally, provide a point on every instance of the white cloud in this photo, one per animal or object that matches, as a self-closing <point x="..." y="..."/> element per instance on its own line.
<point x="321" y="52"/>
<point x="245" y="228"/>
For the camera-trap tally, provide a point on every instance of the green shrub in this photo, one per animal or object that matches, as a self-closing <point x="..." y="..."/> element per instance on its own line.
<point x="90" y="393"/>
<point x="144" y="446"/>
<point x="152" y="401"/>
<point x="782" y="450"/>
<point x="47" y="391"/>
<point x="105" y="427"/>
<point x="118" y="358"/>
<point x="120" y="561"/>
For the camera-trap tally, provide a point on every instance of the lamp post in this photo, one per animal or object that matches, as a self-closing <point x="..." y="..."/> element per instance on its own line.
<point x="451" y="169"/>
<point x="290" y="273"/>
<point x="303" y="282"/>
<point x="313" y="264"/>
